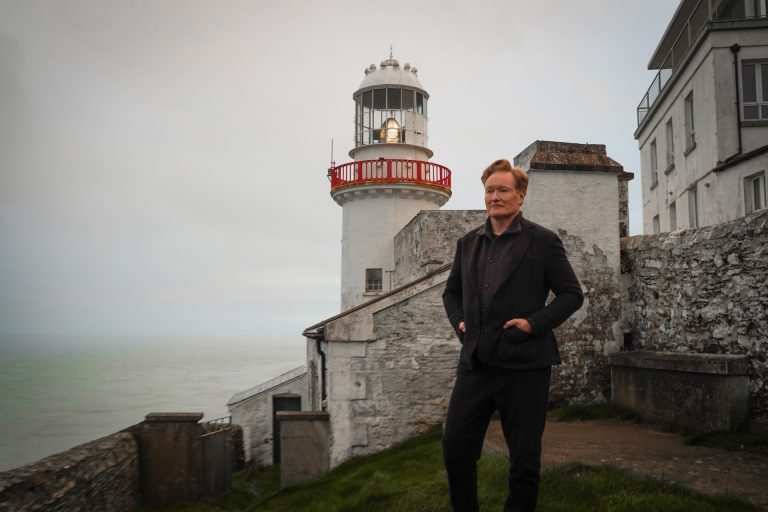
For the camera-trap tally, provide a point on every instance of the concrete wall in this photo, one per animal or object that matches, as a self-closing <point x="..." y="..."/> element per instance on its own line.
<point x="706" y="392"/>
<point x="709" y="74"/>
<point x="429" y="241"/>
<point x="305" y="438"/>
<point x="99" y="475"/>
<point x="252" y="410"/>
<point x="702" y="291"/>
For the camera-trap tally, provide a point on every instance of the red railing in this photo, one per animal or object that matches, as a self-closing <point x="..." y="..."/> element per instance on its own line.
<point x="386" y="170"/>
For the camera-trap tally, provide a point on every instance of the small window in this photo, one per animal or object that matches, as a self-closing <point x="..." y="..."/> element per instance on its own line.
<point x="693" y="208"/>
<point x="754" y="193"/>
<point x="670" y="146"/>
<point x="373" y="280"/>
<point x="672" y="216"/>
<point x="654" y="164"/>
<point x="690" y="133"/>
<point x="408" y="97"/>
<point x="656" y="225"/>
<point x="754" y="79"/>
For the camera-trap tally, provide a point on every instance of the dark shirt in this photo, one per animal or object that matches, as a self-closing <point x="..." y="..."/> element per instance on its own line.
<point x="492" y="250"/>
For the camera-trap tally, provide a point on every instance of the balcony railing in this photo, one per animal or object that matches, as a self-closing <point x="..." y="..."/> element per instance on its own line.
<point x="389" y="171"/>
<point x="696" y="22"/>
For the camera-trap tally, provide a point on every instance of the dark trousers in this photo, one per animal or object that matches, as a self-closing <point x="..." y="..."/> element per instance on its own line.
<point x="520" y="396"/>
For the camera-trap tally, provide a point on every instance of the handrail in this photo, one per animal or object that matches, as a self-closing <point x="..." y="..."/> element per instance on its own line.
<point x="389" y="170"/>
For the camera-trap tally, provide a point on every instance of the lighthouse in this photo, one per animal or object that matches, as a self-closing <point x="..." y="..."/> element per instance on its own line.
<point x="389" y="180"/>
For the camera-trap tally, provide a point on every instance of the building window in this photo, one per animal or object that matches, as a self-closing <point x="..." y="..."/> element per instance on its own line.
<point x="690" y="134"/>
<point x="672" y="216"/>
<point x="754" y="193"/>
<point x="754" y="79"/>
<point x="670" y="147"/>
<point x="693" y="208"/>
<point x="656" y="225"/>
<point x="755" y="8"/>
<point x="654" y="165"/>
<point x="373" y="280"/>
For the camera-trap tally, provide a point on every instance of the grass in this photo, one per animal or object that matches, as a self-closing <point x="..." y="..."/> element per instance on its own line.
<point x="746" y="441"/>
<point x="607" y="411"/>
<point x="410" y="477"/>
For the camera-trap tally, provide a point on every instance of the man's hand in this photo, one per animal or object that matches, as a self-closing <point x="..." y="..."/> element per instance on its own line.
<point x="520" y="323"/>
<point x="462" y="328"/>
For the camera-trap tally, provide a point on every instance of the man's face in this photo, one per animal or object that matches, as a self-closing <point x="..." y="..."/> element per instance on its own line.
<point x="502" y="200"/>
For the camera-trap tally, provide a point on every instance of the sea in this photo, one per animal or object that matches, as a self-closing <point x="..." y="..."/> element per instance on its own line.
<point x="56" y="393"/>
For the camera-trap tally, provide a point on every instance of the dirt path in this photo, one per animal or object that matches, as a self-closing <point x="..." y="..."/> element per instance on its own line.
<point x="648" y="451"/>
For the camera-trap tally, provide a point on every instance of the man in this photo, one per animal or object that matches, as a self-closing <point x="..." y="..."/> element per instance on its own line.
<point x="495" y="299"/>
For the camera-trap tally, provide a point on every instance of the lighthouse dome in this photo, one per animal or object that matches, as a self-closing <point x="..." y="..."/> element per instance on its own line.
<point x="390" y="72"/>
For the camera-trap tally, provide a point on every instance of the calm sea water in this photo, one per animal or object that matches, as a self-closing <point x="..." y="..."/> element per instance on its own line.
<point x="56" y="394"/>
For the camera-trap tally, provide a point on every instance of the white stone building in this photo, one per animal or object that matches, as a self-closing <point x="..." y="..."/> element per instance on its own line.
<point x="703" y="124"/>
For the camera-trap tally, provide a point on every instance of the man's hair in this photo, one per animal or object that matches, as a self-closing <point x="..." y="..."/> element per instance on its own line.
<point x="503" y="165"/>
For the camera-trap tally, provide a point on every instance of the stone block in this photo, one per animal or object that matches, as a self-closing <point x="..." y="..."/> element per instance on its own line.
<point x="708" y="392"/>
<point x="169" y="446"/>
<point x="305" y="445"/>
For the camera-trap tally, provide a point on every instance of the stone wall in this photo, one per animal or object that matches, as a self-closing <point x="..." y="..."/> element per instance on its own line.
<point x="429" y="241"/>
<point x="585" y="340"/>
<point x="99" y="475"/>
<point x="703" y="291"/>
<point x="410" y="367"/>
<point x="589" y="336"/>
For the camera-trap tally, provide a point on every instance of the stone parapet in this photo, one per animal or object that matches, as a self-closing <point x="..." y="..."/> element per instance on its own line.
<point x="701" y="291"/>
<point x="99" y="475"/>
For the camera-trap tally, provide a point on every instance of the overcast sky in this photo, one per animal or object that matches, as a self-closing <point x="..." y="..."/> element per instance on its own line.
<point x="163" y="163"/>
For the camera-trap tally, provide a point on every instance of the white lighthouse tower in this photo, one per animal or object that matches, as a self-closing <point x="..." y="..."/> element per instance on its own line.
<point x="389" y="180"/>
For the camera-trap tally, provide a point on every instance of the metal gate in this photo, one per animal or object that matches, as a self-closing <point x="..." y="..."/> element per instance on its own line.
<point x="217" y="456"/>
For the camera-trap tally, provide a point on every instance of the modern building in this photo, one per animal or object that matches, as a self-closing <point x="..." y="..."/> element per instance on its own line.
<point x="389" y="181"/>
<point x="703" y="124"/>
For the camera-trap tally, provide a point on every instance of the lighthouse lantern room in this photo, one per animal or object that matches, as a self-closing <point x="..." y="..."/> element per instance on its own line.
<point x="388" y="182"/>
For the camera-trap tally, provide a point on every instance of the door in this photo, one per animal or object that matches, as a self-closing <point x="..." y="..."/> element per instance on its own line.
<point x="281" y="403"/>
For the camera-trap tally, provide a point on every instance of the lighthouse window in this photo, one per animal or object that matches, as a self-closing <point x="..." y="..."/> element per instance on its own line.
<point x="379" y="99"/>
<point x="373" y="280"/>
<point x="393" y="98"/>
<point x="420" y="104"/>
<point x="407" y="99"/>
<point x="367" y="99"/>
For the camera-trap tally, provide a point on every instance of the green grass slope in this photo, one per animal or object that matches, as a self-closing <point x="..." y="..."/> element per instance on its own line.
<point x="410" y="478"/>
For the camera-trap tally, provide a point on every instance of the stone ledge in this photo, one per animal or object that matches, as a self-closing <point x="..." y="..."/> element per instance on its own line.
<point x="174" y="417"/>
<point x="717" y="364"/>
<point x="303" y="416"/>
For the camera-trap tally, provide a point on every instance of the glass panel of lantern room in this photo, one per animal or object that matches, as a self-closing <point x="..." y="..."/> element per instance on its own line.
<point x="408" y="99"/>
<point x="379" y="99"/>
<point x="419" y="103"/>
<point x="393" y="98"/>
<point x="366" y="119"/>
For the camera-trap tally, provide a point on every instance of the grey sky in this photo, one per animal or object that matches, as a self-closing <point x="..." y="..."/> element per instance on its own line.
<point x="162" y="164"/>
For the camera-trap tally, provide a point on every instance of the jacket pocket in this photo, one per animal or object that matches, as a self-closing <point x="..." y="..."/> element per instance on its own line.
<point x="516" y="346"/>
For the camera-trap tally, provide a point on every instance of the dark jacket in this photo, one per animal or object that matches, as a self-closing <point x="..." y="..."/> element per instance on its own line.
<point x="536" y="264"/>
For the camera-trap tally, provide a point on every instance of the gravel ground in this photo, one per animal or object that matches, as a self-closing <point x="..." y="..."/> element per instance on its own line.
<point x="648" y="451"/>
